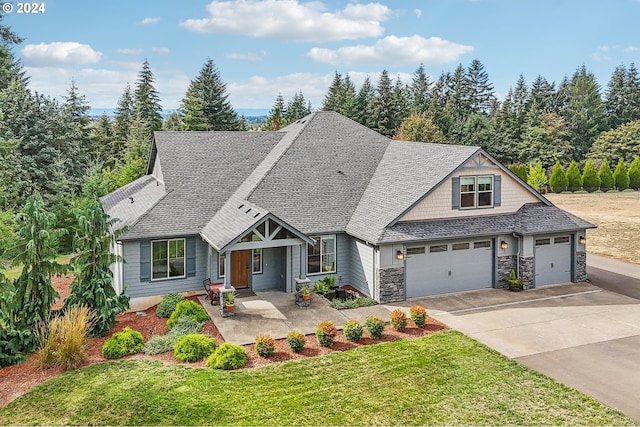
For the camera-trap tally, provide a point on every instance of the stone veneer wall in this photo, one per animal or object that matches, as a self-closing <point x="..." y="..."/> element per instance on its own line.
<point x="389" y="285"/>
<point x="527" y="272"/>
<point x="505" y="265"/>
<point x="581" y="266"/>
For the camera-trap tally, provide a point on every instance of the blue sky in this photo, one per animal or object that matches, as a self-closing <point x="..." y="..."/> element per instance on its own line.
<point x="266" y="47"/>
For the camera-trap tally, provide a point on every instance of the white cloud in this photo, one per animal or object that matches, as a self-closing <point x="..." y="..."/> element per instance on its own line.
<point x="417" y="12"/>
<point x="160" y="50"/>
<point x="60" y="53"/>
<point x="394" y="50"/>
<point x="291" y="20"/>
<point x="126" y="51"/>
<point x="600" y="57"/>
<point x="631" y="49"/>
<point x="250" y="56"/>
<point x="604" y="48"/>
<point x="148" y="21"/>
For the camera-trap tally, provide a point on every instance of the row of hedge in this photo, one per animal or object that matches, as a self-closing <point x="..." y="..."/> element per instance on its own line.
<point x="590" y="179"/>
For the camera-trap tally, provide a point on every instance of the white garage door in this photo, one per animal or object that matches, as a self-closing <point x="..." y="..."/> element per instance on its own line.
<point x="448" y="267"/>
<point x="552" y="260"/>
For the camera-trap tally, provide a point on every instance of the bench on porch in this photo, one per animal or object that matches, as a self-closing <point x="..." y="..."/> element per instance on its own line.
<point x="212" y="290"/>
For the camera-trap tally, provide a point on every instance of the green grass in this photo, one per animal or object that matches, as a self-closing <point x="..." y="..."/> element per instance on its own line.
<point x="14" y="272"/>
<point x="445" y="378"/>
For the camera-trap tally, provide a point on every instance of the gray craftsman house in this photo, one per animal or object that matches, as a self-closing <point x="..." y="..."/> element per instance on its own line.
<point x="326" y="195"/>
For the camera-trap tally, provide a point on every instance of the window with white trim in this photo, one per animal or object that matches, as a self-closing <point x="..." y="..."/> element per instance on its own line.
<point x="256" y="261"/>
<point x="167" y="259"/>
<point x="321" y="258"/>
<point x="476" y="192"/>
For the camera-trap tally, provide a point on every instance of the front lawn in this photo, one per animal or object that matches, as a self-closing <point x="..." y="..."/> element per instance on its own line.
<point x="445" y="378"/>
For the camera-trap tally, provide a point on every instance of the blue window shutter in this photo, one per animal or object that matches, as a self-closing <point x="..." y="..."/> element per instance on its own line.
<point x="145" y="261"/>
<point x="191" y="256"/>
<point x="455" y="193"/>
<point x="497" y="190"/>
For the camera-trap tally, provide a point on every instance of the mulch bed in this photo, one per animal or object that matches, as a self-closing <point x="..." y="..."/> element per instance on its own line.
<point x="24" y="376"/>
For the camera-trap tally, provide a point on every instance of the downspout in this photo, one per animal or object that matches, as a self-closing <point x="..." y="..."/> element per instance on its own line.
<point x="517" y="255"/>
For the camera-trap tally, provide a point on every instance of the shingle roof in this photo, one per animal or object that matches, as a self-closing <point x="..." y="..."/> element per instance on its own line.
<point x="129" y="203"/>
<point x="529" y="219"/>
<point x="407" y="171"/>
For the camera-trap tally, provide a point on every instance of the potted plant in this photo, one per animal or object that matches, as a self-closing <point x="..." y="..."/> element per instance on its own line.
<point x="305" y="293"/>
<point x="513" y="283"/>
<point x="229" y="300"/>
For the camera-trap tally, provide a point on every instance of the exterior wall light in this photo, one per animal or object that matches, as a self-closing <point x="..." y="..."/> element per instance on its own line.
<point x="504" y="245"/>
<point x="582" y="240"/>
<point x="399" y="255"/>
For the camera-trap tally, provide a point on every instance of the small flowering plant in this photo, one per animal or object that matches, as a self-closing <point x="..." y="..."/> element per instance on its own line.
<point x="325" y="333"/>
<point x="418" y="315"/>
<point x="265" y="345"/>
<point x="398" y="320"/>
<point x="296" y="341"/>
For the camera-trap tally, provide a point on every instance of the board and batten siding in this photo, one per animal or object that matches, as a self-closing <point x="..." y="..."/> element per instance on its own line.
<point x="343" y="262"/>
<point x="362" y="266"/>
<point x="438" y="204"/>
<point x="135" y="288"/>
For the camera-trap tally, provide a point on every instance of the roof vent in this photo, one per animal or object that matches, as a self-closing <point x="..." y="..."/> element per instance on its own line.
<point x="342" y="173"/>
<point x="131" y="198"/>
<point x="257" y="215"/>
<point x="241" y="206"/>
<point x="248" y="210"/>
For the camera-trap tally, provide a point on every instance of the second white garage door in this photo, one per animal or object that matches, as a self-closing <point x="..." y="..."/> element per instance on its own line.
<point x="552" y="260"/>
<point x="448" y="267"/>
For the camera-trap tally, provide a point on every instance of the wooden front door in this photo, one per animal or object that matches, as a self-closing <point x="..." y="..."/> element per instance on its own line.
<point x="240" y="269"/>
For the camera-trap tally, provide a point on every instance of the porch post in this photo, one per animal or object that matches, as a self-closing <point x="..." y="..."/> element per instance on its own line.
<point x="227" y="270"/>
<point x="303" y="261"/>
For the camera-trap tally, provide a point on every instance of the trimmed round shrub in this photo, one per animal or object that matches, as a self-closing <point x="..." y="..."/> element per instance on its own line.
<point x="162" y="343"/>
<point x="325" y="333"/>
<point x="168" y="304"/>
<point x="375" y="327"/>
<point x="122" y="344"/>
<point x="186" y="325"/>
<point x="193" y="347"/>
<point x="353" y="330"/>
<point x="187" y="308"/>
<point x="228" y="356"/>
<point x="265" y="345"/>
<point x="419" y="315"/>
<point x="398" y="320"/>
<point x="590" y="177"/>
<point x="558" y="179"/>
<point x="296" y="341"/>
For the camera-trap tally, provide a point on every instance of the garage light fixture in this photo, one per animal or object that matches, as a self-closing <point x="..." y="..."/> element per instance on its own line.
<point x="399" y="255"/>
<point x="504" y="245"/>
<point x="582" y="240"/>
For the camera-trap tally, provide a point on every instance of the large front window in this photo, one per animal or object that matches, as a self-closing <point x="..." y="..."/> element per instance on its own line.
<point x="321" y="258"/>
<point x="476" y="191"/>
<point x="167" y="259"/>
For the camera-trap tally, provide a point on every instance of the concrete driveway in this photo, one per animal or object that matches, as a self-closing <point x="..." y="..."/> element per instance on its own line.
<point x="579" y="334"/>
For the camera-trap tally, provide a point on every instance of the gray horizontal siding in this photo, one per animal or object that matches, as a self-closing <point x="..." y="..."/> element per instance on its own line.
<point x="361" y="266"/>
<point x="343" y="262"/>
<point x="134" y="288"/>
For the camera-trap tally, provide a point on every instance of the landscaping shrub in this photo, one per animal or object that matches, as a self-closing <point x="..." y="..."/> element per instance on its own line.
<point x="265" y="345"/>
<point x="590" y="178"/>
<point x="375" y="327"/>
<point x="634" y="174"/>
<point x="63" y="342"/>
<point x="574" y="177"/>
<point x="296" y="341"/>
<point x="418" y="315"/>
<point x="162" y="343"/>
<point x="342" y="304"/>
<point x="122" y="343"/>
<point x="365" y="302"/>
<point x="398" y="320"/>
<point x="228" y="356"/>
<point x="168" y="304"/>
<point x="537" y="176"/>
<point x="187" y="308"/>
<point x="621" y="176"/>
<point x="606" y="176"/>
<point x="193" y="347"/>
<point x="558" y="179"/>
<point x="353" y="330"/>
<point x="325" y="285"/>
<point x="325" y="333"/>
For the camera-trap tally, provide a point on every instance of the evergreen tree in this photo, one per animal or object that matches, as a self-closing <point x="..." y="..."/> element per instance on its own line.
<point x="520" y="169"/>
<point x="606" y="176"/>
<point x="146" y="104"/>
<point x="10" y="67"/>
<point x="558" y="179"/>
<point x="173" y="122"/>
<point x="620" y="143"/>
<point x="623" y="96"/>
<point x="100" y="140"/>
<point x="275" y="120"/>
<point x="537" y="177"/>
<point x="546" y="141"/>
<point x="634" y="174"/>
<point x="363" y="102"/>
<point x="590" y="177"/>
<point x="418" y="127"/>
<point x="206" y="105"/>
<point x="480" y="90"/>
<point x="122" y="123"/>
<point x="574" y="177"/>
<point x="296" y="108"/>
<point x="419" y="93"/>
<point x="478" y="132"/>
<point x="584" y="113"/>
<point x="621" y="176"/>
<point x="91" y="285"/>
<point x="541" y="97"/>
<point x="332" y="101"/>
<point x="94" y="186"/>
<point x="385" y="116"/>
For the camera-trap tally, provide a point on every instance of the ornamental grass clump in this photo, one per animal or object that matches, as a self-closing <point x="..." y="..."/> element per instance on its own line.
<point x="187" y="308"/>
<point x="419" y="315"/>
<point x="122" y="344"/>
<point x="63" y="342"/>
<point x="228" y="356"/>
<point x="375" y="327"/>
<point x="193" y="347"/>
<point x="168" y="304"/>
<point x="296" y="341"/>
<point x="398" y="320"/>
<point x="353" y="330"/>
<point x="265" y="346"/>
<point x="162" y="343"/>
<point x="326" y="333"/>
